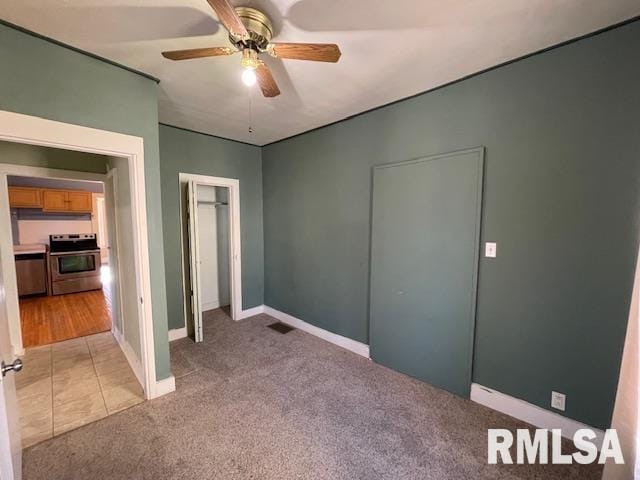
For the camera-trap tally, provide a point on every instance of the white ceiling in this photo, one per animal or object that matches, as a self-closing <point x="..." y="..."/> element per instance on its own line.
<point x="390" y="50"/>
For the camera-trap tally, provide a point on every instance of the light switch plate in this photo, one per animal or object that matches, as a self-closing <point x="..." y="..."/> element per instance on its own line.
<point x="491" y="249"/>
<point x="558" y="400"/>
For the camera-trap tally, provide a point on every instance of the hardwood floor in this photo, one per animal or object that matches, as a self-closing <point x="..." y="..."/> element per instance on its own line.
<point x="52" y="319"/>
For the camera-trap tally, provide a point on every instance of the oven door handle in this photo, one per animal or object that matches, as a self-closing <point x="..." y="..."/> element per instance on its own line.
<point x="81" y="252"/>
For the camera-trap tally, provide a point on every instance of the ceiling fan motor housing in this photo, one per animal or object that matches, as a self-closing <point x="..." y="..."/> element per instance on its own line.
<point x="259" y="27"/>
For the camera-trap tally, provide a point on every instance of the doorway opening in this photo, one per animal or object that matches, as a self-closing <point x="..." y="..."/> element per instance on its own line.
<point x="211" y="261"/>
<point x="213" y="240"/>
<point x="67" y="232"/>
<point x="62" y="273"/>
<point x="137" y="340"/>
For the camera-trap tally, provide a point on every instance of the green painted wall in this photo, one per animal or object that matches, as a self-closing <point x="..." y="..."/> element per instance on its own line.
<point x="37" y="156"/>
<point x="43" y="79"/>
<point x="562" y="196"/>
<point x="188" y="152"/>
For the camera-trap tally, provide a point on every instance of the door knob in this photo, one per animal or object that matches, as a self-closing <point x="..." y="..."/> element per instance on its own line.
<point x="16" y="366"/>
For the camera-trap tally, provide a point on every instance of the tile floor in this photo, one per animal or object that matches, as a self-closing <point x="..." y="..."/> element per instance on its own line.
<point x="68" y="384"/>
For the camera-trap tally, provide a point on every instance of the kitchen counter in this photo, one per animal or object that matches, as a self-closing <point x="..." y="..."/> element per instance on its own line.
<point x="30" y="249"/>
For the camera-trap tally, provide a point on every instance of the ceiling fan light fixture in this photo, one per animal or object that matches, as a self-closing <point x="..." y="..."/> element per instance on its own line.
<point x="250" y="59"/>
<point x="249" y="77"/>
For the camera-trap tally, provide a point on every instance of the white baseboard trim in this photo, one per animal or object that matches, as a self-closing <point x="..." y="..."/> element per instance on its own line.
<point x="251" y="312"/>
<point x="527" y="412"/>
<point x="344" y="342"/>
<point x="177" y="333"/>
<point x="131" y="356"/>
<point x="210" y="305"/>
<point x="162" y="387"/>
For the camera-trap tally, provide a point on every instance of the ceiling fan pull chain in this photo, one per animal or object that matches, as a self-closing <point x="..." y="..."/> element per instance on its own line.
<point x="250" y="111"/>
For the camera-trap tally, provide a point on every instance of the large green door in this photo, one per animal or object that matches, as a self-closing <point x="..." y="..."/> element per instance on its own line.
<point x="424" y="258"/>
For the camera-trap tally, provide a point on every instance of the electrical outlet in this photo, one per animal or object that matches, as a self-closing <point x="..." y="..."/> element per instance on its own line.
<point x="558" y="400"/>
<point x="491" y="249"/>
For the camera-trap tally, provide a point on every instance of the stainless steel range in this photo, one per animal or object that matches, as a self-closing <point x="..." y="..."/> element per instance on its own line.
<point x="74" y="261"/>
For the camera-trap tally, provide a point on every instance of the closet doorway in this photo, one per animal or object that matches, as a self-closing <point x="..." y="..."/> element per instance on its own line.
<point x="211" y="248"/>
<point x="212" y="204"/>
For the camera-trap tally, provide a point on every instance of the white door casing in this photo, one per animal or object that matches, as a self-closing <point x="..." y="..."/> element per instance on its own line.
<point x="194" y="259"/>
<point x="101" y="227"/>
<point x="235" y="251"/>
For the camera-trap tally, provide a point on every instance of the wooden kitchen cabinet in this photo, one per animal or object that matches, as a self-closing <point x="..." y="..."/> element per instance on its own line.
<point x="66" y="201"/>
<point x="79" y="201"/>
<point x="54" y="200"/>
<point x="25" y="197"/>
<point x="50" y="200"/>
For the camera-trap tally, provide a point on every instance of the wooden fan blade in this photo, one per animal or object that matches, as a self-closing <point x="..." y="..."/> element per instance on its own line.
<point x="317" y="52"/>
<point x="229" y="18"/>
<point x="199" y="53"/>
<point x="266" y="81"/>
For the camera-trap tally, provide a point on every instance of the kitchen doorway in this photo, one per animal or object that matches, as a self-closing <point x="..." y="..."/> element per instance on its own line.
<point x="64" y="288"/>
<point x="129" y="155"/>
<point x="69" y="287"/>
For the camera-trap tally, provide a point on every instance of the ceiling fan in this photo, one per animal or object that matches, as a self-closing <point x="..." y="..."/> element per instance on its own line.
<point x="250" y="32"/>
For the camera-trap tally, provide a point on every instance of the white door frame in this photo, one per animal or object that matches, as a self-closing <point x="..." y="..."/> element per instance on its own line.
<point x="193" y="232"/>
<point x="19" y="128"/>
<point x="235" y="249"/>
<point x="99" y="210"/>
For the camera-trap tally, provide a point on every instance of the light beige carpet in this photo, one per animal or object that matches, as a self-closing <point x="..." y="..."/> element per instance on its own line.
<point x="252" y="403"/>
